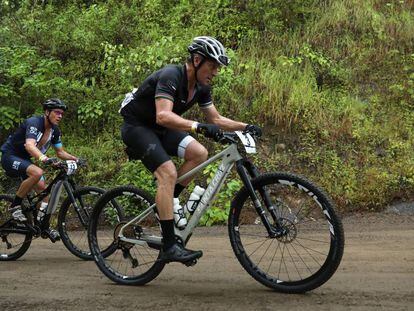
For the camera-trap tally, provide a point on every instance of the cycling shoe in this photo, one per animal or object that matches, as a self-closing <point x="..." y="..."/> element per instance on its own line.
<point x="52" y="234"/>
<point x="179" y="254"/>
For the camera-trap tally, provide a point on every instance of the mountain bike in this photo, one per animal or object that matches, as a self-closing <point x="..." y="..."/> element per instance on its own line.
<point x="73" y="217"/>
<point x="283" y="229"/>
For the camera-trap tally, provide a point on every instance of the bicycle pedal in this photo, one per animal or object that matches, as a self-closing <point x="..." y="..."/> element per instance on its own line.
<point x="53" y="239"/>
<point x="190" y="263"/>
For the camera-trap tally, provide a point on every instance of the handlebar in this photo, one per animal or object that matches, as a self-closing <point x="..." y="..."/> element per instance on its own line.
<point x="63" y="165"/>
<point x="226" y="138"/>
<point x="231" y="137"/>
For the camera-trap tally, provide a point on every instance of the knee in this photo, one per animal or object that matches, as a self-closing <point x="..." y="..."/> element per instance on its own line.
<point x="166" y="173"/>
<point x="203" y="154"/>
<point x="36" y="173"/>
<point x="41" y="185"/>
<point x="197" y="153"/>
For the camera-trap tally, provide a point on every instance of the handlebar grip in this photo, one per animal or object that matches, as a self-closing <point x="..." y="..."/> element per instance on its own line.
<point x="219" y="136"/>
<point x="53" y="162"/>
<point x="82" y="162"/>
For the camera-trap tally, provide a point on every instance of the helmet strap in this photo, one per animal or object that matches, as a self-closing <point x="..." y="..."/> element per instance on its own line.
<point x="197" y="67"/>
<point x="47" y="117"/>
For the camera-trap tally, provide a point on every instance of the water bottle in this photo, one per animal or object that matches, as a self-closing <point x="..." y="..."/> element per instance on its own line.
<point x="194" y="199"/>
<point x="179" y="215"/>
<point x="42" y="211"/>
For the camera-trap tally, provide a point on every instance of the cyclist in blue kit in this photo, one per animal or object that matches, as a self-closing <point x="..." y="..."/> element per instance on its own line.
<point x="154" y="130"/>
<point x="31" y="140"/>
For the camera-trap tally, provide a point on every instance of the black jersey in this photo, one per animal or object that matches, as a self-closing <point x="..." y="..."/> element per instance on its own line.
<point x="33" y="127"/>
<point x="169" y="82"/>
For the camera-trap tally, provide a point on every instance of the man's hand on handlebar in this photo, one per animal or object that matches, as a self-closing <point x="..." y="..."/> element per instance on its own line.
<point x="209" y="130"/>
<point x="55" y="162"/>
<point x="81" y="161"/>
<point x="253" y="129"/>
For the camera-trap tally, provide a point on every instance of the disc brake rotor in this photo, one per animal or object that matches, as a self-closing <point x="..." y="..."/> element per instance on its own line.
<point x="290" y="230"/>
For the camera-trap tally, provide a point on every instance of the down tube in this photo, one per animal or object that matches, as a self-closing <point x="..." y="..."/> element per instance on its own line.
<point x="208" y="196"/>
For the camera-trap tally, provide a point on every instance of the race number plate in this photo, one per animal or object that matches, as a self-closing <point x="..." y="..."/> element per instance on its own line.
<point x="248" y="141"/>
<point x="72" y="166"/>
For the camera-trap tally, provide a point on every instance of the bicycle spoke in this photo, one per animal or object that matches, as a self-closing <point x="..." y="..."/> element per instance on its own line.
<point x="273" y="257"/>
<point x="293" y="261"/>
<point x="313" y="240"/>
<point x="128" y="263"/>
<point x="248" y="244"/>
<point x="74" y="218"/>
<point x="307" y="249"/>
<point x="257" y="248"/>
<point x="302" y="242"/>
<point x="12" y="244"/>
<point x="302" y="260"/>
<point x="265" y="252"/>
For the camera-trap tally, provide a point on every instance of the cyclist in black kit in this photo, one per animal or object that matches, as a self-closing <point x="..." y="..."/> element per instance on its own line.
<point x="31" y="140"/>
<point x="153" y="129"/>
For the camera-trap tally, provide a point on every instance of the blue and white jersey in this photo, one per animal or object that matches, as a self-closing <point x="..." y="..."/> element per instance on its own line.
<point x="33" y="127"/>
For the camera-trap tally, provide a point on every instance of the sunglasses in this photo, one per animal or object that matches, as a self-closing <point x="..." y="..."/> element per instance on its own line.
<point x="58" y="112"/>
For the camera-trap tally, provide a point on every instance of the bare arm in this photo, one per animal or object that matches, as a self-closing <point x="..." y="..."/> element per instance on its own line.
<point x="30" y="146"/>
<point x="213" y="116"/>
<point x="167" y="118"/>
<point x="62" y="154"/>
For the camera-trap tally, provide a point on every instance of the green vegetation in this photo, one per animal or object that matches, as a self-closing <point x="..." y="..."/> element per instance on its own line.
<point x="331" y="82"/>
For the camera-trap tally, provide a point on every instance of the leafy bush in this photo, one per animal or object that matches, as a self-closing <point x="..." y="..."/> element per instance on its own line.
<point x="331" y="82"/>
<point x="219" y="211"/>
<point x="9" y="117"/>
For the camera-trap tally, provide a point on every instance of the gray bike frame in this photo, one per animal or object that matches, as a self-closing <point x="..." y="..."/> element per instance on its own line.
<point x="55" y="193"/>
<point x="228" y="157"/>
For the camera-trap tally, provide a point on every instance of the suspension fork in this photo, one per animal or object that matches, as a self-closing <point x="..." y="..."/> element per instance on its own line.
<point x="254" y="172"/>
<point x="82" y="204"/>
<point x="242" y="171"/>
<point x="80" y="210"/>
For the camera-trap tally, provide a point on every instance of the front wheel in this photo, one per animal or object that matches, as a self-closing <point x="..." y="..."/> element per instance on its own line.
<point x="307" y="243"/>
<point x="15" y="238"/>
<point x="73" y="220"/>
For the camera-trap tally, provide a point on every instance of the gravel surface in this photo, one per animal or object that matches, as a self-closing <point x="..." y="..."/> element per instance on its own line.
<point x="376" y="273"/>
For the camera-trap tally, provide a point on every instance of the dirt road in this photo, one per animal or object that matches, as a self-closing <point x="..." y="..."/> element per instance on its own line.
<point x="376" y="273"/>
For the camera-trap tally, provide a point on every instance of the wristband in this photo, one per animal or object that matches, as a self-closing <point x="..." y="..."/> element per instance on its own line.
<point x="42" y="158"/>
<point x="194" y="127"/>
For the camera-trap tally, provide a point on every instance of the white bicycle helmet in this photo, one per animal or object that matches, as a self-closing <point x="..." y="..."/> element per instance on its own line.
<point x="210" y="48"/>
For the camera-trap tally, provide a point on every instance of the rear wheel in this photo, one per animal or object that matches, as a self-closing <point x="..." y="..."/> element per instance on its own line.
<point x="14" y="237"/>
<point x="308" y="246"/>
<point x="128" y="263"/>
<point x="73" y="221"/>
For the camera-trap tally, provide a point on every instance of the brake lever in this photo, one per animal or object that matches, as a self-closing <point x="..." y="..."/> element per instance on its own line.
<point x="253" y="134"/>
<point x="82" y="162"/>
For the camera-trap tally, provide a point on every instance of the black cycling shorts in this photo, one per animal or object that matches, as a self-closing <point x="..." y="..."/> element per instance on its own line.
<point x="14" y="165"/>
<point x="154" y="147"/>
